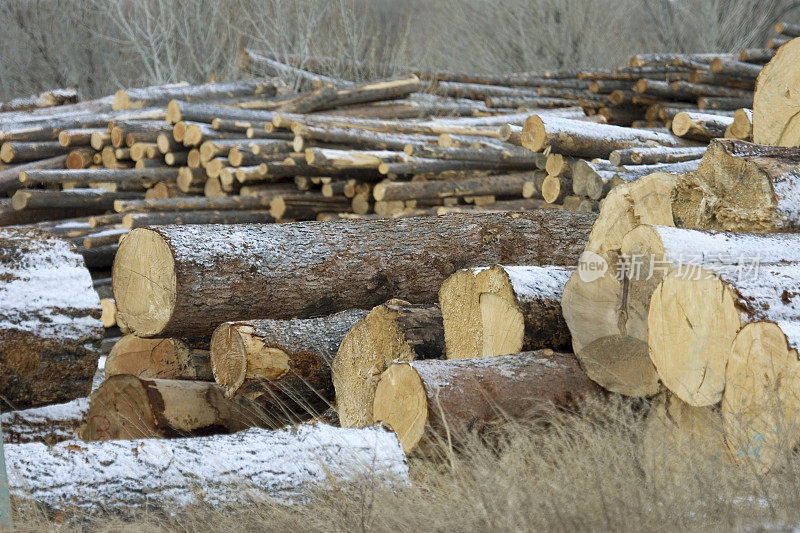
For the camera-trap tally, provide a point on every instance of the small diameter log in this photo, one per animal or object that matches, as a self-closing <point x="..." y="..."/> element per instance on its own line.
<point x="162" y="94"/>
<point x="700" y="126"/>
<point x="167" y="299"/>
<point x="9" y="176"/>
<point x="723" y="103"/>
<point x="757" y="55"/>
<point x="556" y="188"/>
<point x="429" y="401"/>
<point x="89" y="199"/>
<point x="160" y="358"/>
<point x="394" y="331"/>
<point x="775" y="119"/>
<point x="502" y="185"/>
<point x="287" y="360"/>
<point x="580" y="139"/>
<point x="50" y="329"/>
<point x="227" y="203"/>
<point x="305" y="206"/>
<point x="788" y="29"/>
<point x="742" y="127"/>
<point x="223" y="471"/>
<point x="20" y="152"/>
<point x="753" y="187"/>
<point x="78" y="137"/>
<point x="159" y="218"/>
<point x="144" y="177"/>
<point x="503" y="310"/>
<point x="653" y="156"/>
<point x="759" y="405"/>
<point x="735" y="68"/>
<point x="109" y="312"/>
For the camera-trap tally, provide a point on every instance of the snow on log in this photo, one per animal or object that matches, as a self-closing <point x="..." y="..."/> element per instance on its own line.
<point x="424" y="401"/>
<point x="393" y="331"/>
<point x="303" y="269"/>
<point x="49" y="424"/>
<point x="742" y="186"/>
<point x="503" y="310"/>
<point x="221" y="470"/>
<point x="50" y="328"/>
<point x="702" y="288"/>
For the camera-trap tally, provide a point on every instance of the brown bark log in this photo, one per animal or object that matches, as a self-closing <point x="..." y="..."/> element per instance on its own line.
<point x="21" y="152"/>
<point x="356" y="277"/>
<point x="49" y="339"/>
<point x="425" y="402"/>
<point x="289" y="360"/>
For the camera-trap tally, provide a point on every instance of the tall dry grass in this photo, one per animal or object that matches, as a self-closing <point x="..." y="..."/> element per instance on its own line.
<point x="581" y="472"/>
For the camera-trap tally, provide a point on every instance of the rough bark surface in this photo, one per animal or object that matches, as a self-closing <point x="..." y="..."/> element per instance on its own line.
<point x="50" y="328"/>
<point x="307" y="269"/>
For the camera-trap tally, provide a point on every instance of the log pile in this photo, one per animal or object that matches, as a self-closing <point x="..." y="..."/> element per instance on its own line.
<point x="374" y="300"/>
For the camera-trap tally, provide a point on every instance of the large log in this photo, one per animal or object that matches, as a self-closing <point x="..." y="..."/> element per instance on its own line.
<point x="577" y="138"/>
<point x="310" y="269"/>
<point x="393" y="331"/>
<point x="290" y="358"/>
<point x="50" y="329"/>
<point x="503" y="310"/>
<point x="759" y="404"/>
<point x="697" y="289"/>
<point x="225" y="471"/>
<point x="775" y="104"/>
<point x="160" y="358"/>
<point x="430" y="402"/>
<point x="608" y="328"/>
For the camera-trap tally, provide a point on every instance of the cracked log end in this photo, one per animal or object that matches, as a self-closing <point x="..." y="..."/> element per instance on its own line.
<point x="401" y="403"/>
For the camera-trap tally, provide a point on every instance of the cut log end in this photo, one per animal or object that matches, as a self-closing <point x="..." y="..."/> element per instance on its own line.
<point x="119" y="410"/>
<point x="692" y="322"/>
<point x="760" y="411"/>
<point x="619" y="363"/>
<point x="401" y="403"/>
<point x="144" y="282"/>
<point x="775" y="103"/>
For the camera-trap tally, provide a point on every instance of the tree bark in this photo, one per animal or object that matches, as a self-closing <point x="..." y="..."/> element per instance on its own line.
<point x="50" y="329"/>
<point x="501" y="185"/>
<point x="162" y="94"/>
<point x="700" y="126"/>
<point x="393" y="331"/>
<point x="654" y="156"/>
<point x="345" y="256"/>
<point x="426" y="402"/>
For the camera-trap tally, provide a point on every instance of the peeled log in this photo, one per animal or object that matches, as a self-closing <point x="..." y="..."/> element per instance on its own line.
<point x="50" y="329"/>
<point x="429" y="401"/>
<point x="776" y="104"/>
<point x="503" y="310"/>
<point x="581" y="139"/>
<point x="159" y="358"/>
<point x="161" y="285"/>
<point x="394" y="331"/>
<point x="222" y="470"/>
<point x="293" y="357"/>
<point x="759" y="407"/>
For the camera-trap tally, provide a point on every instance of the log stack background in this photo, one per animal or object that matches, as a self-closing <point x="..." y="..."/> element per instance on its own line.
<point x="404" y="251"/>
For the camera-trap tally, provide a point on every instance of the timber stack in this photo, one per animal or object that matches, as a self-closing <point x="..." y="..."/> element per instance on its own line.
<point x="442" y="265"/>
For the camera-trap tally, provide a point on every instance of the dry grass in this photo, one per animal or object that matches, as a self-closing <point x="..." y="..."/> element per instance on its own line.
<point x="583" y="472"/>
